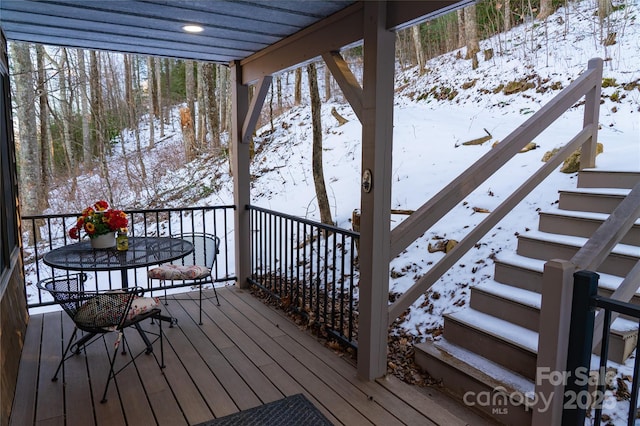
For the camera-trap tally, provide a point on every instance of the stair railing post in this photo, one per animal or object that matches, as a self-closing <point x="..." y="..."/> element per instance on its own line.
<point x="555" y="318"/>
<point x="592" y="115"/>
<point x="585" y="287"/>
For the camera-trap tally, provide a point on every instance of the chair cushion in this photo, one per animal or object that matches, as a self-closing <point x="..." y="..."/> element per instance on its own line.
<point x="95" y="314"/>
<point x="142" y="305"/>
<point x="179" y="272"/>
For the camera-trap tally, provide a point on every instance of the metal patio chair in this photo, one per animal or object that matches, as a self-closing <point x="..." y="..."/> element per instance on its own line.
<point x="97" y="313"/>
<point x="195" y="269"/>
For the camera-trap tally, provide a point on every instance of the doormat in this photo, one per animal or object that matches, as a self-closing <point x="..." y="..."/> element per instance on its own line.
<point x="293" y="410"/>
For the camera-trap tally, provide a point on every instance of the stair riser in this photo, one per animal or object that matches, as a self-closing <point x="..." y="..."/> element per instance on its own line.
<point x="531" y="280"/>
<point x="603" y="179"/>
<point x="508" y="310"/>
<point x="529" y="317"/>
<point x="465" y="389"/>
<point x="615" y="264"/>
<point x="594" y="203"/>
<point x="579" y="227"/>
<point x="515" y="358"/>
<point x="516" y="276"/>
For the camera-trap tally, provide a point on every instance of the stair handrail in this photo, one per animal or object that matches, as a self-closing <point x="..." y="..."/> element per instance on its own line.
<point x="588" y="85"/>
<point x="601" y="243"/>
<point x="557" y="291"/>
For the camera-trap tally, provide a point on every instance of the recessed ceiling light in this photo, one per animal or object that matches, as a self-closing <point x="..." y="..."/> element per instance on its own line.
<point x="192" y="28"/>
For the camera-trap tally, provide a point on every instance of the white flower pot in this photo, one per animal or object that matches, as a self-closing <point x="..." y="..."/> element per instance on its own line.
<point x="104" y="241"/>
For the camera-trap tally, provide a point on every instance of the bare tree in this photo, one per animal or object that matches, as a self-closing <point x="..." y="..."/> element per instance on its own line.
<point x="29" y="149"/>
<point x="417" y="46"/>
<point x="507" y="16"/>
<point x="471" y="34"/>
<point x="150" y="103"/>
<point x="297" y="91"/>
<point x="84" y="106"/>
<point x="190" y="88"/>
<point x="318" y="171"/>
<point x="97" y="109"/>
<point x="45" y="153"/>
<point x="201" y="131"/>
<point x="462" y="40"/>
<point x="327" y="84"/>
<point x="158" y="79"/>
<point x="213" y="119"/>
<point x="546" y="9"/>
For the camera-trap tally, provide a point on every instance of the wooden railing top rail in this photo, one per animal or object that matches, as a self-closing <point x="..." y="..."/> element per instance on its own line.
<point x="437" y="207"/>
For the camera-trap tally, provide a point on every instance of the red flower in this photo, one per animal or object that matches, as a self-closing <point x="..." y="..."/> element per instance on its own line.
<point x="99" y="219"/>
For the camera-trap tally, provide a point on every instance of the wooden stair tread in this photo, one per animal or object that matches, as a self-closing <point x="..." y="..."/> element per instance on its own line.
<point x="615" y="192"/>
<point x="478" y="367"/>
<point x="620" y="327"/>
<point x="501" y="329"/>
<point x="580" y="215"/>
<point x="569" y="240"/>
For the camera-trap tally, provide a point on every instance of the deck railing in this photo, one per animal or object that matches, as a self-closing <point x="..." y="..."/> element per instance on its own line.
<point x="42" y="233"/>
<point x="579" y="398"/>
<point x="309" y="268"/>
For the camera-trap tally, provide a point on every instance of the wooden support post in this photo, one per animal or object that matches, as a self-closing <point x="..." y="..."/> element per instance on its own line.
<point x="555" y="319"/>
<point x="591" y="116"/>
<point x="377" y="138"/>
<point x="240" y="170"/>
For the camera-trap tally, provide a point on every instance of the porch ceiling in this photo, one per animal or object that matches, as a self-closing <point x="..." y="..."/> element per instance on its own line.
<point x="232" y="30"/>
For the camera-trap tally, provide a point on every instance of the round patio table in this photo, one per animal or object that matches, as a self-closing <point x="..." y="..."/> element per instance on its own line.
<point x="143" y="251"/>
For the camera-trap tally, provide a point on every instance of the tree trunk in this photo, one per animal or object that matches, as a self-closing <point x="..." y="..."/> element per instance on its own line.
<point x="188" y="134"/>
<point x="190" y="88"/>
<point x="158" y="67"/>
<point x="417" y="46"/>
<point x="150" y="102"/>
<point x="279" y="84"/>
<point x="63" y="68"/>
<point x="84" y="107"/>
<point x="29" y="150"/>
<point x="97" y="109"/>
<point x="507" y="16"/>
<point x="318" y="172"/>
<point x="213" y="120"/>
<point x="327" y="84"/>
<point x="138" y="101"/>
<point x="546" y="9"/>
<point x="297" y="91"/>
<point x="201" y="129"/>
<point x="471" y="34"/>
<point x="462" y="39"/>
<point x="45" y="154"/>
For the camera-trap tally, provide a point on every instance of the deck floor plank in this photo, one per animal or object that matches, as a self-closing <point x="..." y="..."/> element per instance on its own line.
<point x="245" y="354"/>
<point x="50" y="406"/>
<point x="24" y="407"/>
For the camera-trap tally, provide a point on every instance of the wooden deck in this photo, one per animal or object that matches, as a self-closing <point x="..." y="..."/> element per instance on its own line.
<point x="244" y="355"/>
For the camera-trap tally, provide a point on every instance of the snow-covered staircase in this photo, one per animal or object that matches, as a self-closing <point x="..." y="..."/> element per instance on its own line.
<point x="488" y="351"/>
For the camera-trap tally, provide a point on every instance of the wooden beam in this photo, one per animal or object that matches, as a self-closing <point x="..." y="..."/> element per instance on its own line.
<point x="375" y="219"/>
<point x="346" y="80"/>
<point x="241" y="179"/>
<point x="336" y="32"/>
<point x="330" y="34"/>
<point x="254" y="109"/>
<point x="406" y="13"/>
